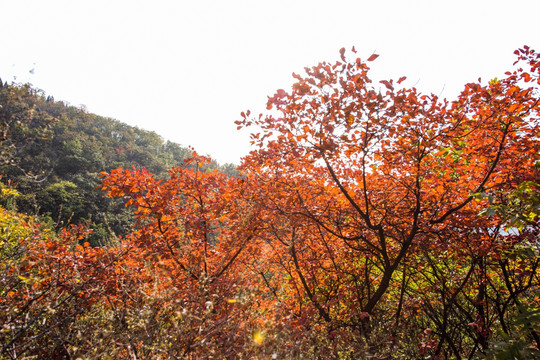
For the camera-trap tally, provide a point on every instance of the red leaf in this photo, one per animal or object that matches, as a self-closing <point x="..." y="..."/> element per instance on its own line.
<point x="401" y="79"/>
<point x="373" y="57"/>
<point x="387" y="84"/>
<point x="342" y="53"/>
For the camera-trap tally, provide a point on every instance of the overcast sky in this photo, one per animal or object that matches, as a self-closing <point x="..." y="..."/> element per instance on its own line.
<point x="186" y="69"/>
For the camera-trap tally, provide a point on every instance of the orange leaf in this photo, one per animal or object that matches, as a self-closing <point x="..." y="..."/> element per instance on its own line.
<point x="372" y="57"/>
<point x="387" y="84"/>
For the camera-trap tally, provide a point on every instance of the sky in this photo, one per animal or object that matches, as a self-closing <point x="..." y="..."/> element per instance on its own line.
<point x="187" y="69"/>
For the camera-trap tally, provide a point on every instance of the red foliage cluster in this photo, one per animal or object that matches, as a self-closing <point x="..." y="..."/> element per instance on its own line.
<point x="368" y="221"/>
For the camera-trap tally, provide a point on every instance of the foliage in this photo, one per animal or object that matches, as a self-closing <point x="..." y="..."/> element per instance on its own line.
<point x="23" y="124"/>
<point x="196" y="231"/>
<point x="369" y="192"/>
<point x="370" y="221"/>
<point x="45" y="286"/>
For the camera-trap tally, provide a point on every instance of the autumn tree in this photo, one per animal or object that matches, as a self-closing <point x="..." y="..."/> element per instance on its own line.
<point x="364" y="184"/>
<point x="48" y="284"/>
<point x="191" y="254"/>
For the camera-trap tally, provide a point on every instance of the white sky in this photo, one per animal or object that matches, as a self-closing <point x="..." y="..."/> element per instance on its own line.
<point x="186" y="69"/>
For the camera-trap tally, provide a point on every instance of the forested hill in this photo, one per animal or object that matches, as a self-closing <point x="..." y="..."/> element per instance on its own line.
<point x="52" y="153"/>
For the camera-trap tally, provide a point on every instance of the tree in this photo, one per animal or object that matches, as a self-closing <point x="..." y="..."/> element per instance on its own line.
<point x="191" y="252"/>
<point x="368" y="178"/>
<point x="48" y="284"/>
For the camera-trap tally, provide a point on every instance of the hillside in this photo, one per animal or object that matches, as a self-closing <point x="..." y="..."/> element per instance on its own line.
<point x="52" y="153"/>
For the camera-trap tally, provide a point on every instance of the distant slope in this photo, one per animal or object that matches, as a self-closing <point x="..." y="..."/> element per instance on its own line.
<point x="53" y="154"/>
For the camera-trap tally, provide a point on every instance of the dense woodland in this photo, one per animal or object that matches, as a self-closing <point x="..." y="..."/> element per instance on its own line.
<point x="369" y="221"/>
